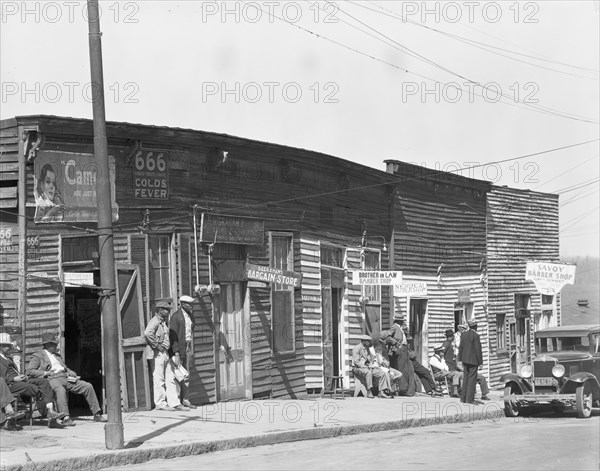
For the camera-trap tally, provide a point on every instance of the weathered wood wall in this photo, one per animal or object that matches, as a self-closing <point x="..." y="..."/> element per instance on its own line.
<point x="521" y="226"/>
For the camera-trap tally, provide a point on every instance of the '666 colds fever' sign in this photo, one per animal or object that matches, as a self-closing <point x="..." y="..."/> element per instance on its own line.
<point x="150" y="175"/>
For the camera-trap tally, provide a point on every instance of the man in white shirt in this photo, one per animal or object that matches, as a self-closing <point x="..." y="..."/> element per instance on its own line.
<point x="50" y="365"/>
<point x="440" y="368"/>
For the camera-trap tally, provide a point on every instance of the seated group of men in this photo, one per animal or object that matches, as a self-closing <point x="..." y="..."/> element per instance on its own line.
<point x="47" y="381"/>
<point x="371" y="365"/>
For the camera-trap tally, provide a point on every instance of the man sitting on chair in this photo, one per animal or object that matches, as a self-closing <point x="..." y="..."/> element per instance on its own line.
<point x="440" y="368"/>
<point x="36" y="389"/>
<point x="49" y="364"/>
<point x="363" y="366"/>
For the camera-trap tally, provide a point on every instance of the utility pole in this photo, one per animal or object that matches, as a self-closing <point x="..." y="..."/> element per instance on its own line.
<point x="113" y="430"/>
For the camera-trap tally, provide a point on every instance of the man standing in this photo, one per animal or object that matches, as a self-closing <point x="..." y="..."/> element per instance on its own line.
<point x="50" y="365"/>
<point x="181" y="331"/>
<point x="37" y="389"/>
<point x="471" y="356"/>
<point x="453" y="365"/>
<point x="166" y="389"/>
<point x="363" y="366"/>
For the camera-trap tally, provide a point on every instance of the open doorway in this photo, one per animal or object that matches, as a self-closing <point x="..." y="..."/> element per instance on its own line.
<point x="417" y="328"/>
<point x="83" y="344"/>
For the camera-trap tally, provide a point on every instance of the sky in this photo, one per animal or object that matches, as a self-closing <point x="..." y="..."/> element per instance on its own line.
<point x="500" y="91"/>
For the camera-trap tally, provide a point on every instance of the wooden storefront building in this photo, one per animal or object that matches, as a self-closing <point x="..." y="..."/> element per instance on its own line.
<point x="261" y="210"/>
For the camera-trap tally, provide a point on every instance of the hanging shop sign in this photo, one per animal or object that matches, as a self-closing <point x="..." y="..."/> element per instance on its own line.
<point x="78" y="279"/>
<point x="231" y="230"/>
<point x="414" y="288"/>
<point x="549" y="278"/>
<point x="150" y="175"/>
<point x="65" y="187"/>
<point x="464" y="295"/>
<point x="384" y="278"/>
<point x="273" y="275"/>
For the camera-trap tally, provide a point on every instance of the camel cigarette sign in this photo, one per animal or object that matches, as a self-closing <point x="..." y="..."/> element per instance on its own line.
<point x="382" y="278"/>
<point x="549" y="278"/>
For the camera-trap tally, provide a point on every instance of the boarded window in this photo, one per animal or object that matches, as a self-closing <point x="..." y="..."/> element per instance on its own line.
<point x="283" y="326"/>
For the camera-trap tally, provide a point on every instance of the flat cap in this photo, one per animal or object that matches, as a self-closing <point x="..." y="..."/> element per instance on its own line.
<point x="186" y="299"/>
<point x="438" y="347"/>
<point x="163" y="305"/>
<point x="365" y="337"/>
<point x="472" y="323"/>
<point x="48" y="338"/>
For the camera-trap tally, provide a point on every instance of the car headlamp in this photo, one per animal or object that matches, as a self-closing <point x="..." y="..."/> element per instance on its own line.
<point x="558" y="371"/>
<point x="526" y="371"/>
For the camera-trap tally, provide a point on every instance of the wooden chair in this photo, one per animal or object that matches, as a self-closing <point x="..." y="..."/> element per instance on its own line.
<point x="336" y="387"/>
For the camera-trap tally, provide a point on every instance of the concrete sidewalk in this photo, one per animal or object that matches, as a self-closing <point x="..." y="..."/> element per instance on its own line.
<point x="160" y="434"/>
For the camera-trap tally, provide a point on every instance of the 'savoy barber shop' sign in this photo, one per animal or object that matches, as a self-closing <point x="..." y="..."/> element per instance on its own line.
<point x="549" y="278"/>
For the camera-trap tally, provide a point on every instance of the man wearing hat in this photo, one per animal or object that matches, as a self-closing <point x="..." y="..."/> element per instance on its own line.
<point x="48" y="364"/>
<point x="440" y="368"/>
<point x="364" y="366"/>
<point x="38" y="389"/>
<point x="181" y="332"/>
<point x="471" y="356"/>
<point x="397" y="342"/>
<point x="166" y="388"/>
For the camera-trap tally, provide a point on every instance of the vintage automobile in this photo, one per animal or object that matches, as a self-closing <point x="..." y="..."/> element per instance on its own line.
<point x="565" y="372"/>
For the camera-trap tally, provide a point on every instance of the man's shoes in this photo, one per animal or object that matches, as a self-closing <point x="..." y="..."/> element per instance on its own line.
<point x="181" y="408"/>
<point x="50" y="414"/>
<point x="11" y="416"/>
<point x="53" y="423"/>
<point x="435" y="393"/>
<point x="383" y="395"/>
<point x="98" y="417"/>
<point x="166" y="408"/>
<point x="370" y="395"/>
<point x="68" y="421"/>
<point x="485" y="398"/>
<point x="12" y="426"/>
<point x="187" y="403"/>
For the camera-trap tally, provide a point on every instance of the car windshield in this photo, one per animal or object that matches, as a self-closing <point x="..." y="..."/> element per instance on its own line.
<point x="558" y="344"/>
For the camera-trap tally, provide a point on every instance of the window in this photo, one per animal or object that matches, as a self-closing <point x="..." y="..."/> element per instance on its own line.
<point x="332" y="256"/>
<point x="501" y="331"/>
<point x="372" y="262"/>
<point x="282" y="296"/>
<point x="159" y="266"/>
<point x="546" y="318"/>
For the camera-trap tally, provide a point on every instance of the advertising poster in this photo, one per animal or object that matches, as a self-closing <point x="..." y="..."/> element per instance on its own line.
<point x="65" y="187"/>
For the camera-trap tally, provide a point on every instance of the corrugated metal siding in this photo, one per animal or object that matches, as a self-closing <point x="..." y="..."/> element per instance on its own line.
<point x="9" y="223"/>
<point x="312" y="316"/>
<point x="43" y="292"/>
<point x="203" y="381"/>
<point x="288" y="374"/>
<point x="260" y="327"/>
<point x="354" y="322"/>
<point x="521" y="226"/>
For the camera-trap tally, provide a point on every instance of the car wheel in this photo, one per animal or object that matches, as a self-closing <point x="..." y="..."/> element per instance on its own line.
<point x="511" y="408"/>
<point x="583" y="400"/>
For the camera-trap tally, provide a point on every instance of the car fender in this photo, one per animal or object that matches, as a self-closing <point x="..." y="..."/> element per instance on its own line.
<point x="576" y="380"/>
<point x="515" y="378"/>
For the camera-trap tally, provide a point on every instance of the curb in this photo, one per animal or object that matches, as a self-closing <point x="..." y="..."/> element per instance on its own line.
<point x="125" y="457"/>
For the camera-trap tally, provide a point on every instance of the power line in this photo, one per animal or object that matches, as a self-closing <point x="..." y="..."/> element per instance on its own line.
<point x="564" y="173"/>
<point x="479" y="44"/>
<point x="514" y="99"/>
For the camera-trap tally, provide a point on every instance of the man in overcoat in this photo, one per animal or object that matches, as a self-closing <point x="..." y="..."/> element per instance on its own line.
<point x="48" y="364"/>
<point x="471" y="357"/>
<point x="364" y="366"/>
<point x="181" y="332"/>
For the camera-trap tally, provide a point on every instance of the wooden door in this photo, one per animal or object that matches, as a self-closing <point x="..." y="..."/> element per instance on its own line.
<point x="135" y="384"/>
<point x="233" y="344"/>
